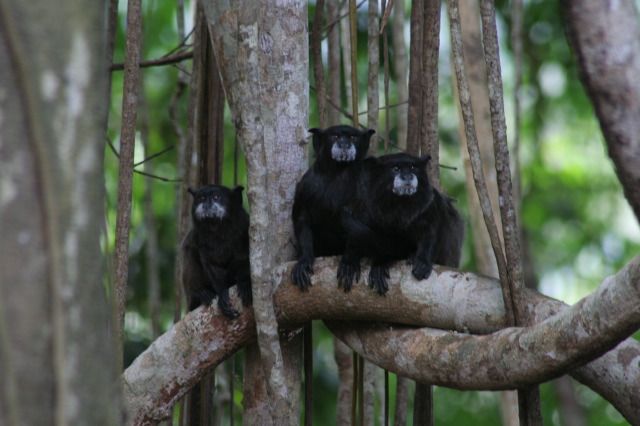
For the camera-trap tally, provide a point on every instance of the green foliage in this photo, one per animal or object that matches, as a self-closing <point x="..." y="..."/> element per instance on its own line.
<point x="575" y="218"/>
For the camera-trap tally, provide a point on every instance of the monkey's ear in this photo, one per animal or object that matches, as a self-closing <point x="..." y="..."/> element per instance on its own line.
<point x="191" y="191"/>
<point x="425" y="159"/>
<point x="237" y="193"/>
<point x="317" y="138"/>
<point x="365" y="139"/>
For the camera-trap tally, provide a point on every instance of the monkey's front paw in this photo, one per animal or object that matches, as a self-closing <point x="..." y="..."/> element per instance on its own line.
<point x="421" y="269"/>
<point x="348" y="272"/>
<point x="301" y="274"/>
<point x="227" y="309"/>
<point x="378" y="276"/>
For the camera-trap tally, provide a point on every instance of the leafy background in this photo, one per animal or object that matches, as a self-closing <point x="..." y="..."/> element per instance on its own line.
<point x="578" y="225"/>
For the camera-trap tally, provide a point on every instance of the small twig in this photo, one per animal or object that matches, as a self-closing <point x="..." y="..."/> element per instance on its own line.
<point x="165" y="60"/>
<point x="344" y="112"/>
<point x="330" y="25"/>
<point x="182" y="70"/>
<point x="389" y="106"/>
<point x="386" y="11"/>
<point x="160" y="178"/>
<point x="183" y="43"/>
<point x="151" y="157"/>
<point x="140" y="172"/>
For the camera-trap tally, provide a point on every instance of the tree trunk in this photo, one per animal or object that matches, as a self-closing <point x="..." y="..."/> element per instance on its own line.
<point x="605" y="37"/>
<point x="130" y="90"/>
<point x="56" y="356"/>
<point x="400" y="70"/>
<point x="334" y="79"/>
<point x="262" y="54"/>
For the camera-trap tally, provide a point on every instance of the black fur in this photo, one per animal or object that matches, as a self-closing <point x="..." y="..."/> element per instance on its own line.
<point x="386" y="222"/>
<point x="216" y="250"/>
<point x="323" y="191"/>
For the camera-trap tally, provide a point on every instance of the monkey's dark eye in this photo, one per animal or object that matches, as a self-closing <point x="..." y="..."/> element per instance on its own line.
<point x="216" y="197"/>
<point x="334" y="138"/>
<point x="395" y="169"/>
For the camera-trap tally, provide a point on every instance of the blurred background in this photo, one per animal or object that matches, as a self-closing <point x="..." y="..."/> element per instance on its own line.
<point x="577" y="225"/>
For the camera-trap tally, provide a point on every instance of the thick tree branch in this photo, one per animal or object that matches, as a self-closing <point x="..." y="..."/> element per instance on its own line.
<point x="512" y="357"/>
<point x="605" y="37"/>
<point x="174" y="362"/>
<point x="449" y="299"/>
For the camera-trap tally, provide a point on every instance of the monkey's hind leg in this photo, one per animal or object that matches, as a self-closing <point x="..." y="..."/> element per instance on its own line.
<point x="348" y="271"/>
<point x="217" y="279"/>
<point x="201" y="296"/>
<point x="224" y="304"/>
<point x="378" y="276"/>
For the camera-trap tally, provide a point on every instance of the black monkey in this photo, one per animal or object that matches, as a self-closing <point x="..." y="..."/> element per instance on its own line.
<point x="216" y="249"/>
<point x="323" y="191"/>
<point x="396" y="214"/>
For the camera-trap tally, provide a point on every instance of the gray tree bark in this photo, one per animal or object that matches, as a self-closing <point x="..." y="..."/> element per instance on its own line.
<point x="262" y="53"/>
<point x="605" y="36"/>
<point x="512" y="357"/>
<point x="448" y="300"/>
<point x="400" y="71"/>
<point x="56" y="355"/>
<point x="131" y="86"/>
<point x="334" y="78"/>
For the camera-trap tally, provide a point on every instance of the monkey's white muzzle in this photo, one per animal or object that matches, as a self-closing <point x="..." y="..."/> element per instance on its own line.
<point x="339" y="153"/>
<point x="210" y="210"/>
<point x="404" y="187"/>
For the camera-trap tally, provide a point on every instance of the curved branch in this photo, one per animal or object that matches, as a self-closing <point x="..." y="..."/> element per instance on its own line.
<point x="509" y="358"/>
<point x="605" y="37"/>
<point x="449" y="299"/>
<point x="175" y="361"/>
